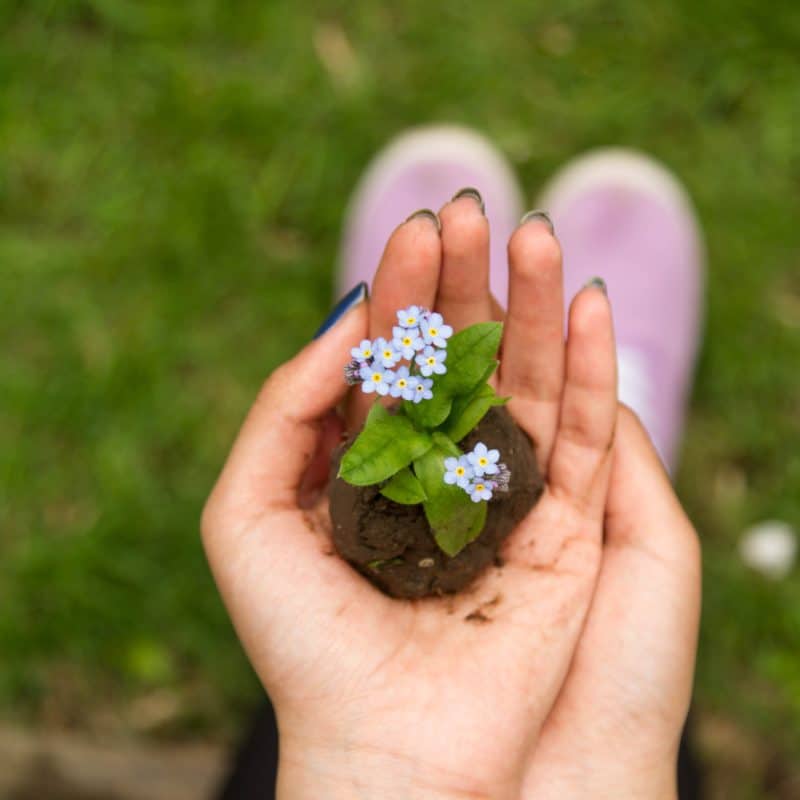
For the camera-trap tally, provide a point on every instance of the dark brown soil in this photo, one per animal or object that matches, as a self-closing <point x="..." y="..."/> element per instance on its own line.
<point x="392" y="544"/>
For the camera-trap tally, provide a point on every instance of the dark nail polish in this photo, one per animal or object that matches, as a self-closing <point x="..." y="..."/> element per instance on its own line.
<point x="426" y="213"/>
<point x="349" y="301"/>
<point x="596" y="283"/>
<point x="469" y="191"/>
<point x="538" y="216"/>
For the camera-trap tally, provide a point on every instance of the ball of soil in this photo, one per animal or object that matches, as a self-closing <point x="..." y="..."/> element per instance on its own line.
<point x="392" y="544"/>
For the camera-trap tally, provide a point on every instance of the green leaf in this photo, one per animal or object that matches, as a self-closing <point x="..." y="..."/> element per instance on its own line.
<point x="378" y="411"/>
<point x="385" y="445"/>
<point x="429" y="413"/>
<point x="404" y="488"/>
<point x="456" y="533"/>
<point x="469" y="410"/>
<point x="446" y="444"/>
<point x="454" y="519"/>
<point x="470" y="362"/>
<point x="471" y="354"/>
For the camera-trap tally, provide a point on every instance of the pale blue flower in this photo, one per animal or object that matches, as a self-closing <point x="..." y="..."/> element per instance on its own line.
<point x="407" y="341"/>
<point x="434" y="331"/>
<point x="432" y="361"/>
<point x="403" y="385"/>
<point x="479" y="490"/>
<point x="376" y="379"/>
<point x="458" y="471"/>
<point x="422" y="389"/>
<point x="483" y="460"/>
<point x="411" y="317"/>
<point x="385" y="352"/>
<point x="363" y="352"/>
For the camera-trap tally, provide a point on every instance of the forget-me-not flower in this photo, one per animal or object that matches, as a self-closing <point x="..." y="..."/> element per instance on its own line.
<point x="483" y="460"/>
<point x="385" y="352"/>
<point x="376" y="379"/>
<point x="502" y="479"/>
<point x="411" y="317"/>
<point x="363" y="352"/>
<point x="352" y="372"/>
<point x="432" y="361"/>
<point x="403" y="384"/>
<point x="407" y="341"/>
<point x="422" y="389"/>
<point x="434" y="331"/>
<point x="479" y="490"/>
<point x="458" y="471"/>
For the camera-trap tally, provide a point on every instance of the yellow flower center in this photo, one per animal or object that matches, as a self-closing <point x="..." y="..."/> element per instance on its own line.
<point x="480" y="487"/>
<point x="367" y="353"/>
<point x="459" y="471"/>
<point x="411" y="321"/>
<point x="431" y="361"/>
<point x="402" y="383"/>
<point x="483" y="461"/>
<point x="407" y="341"/>
<point x="387" y="354"/>
<point x="376" y="377"/>
<point x="433" y="331"/>
<point x="420" y="388"/>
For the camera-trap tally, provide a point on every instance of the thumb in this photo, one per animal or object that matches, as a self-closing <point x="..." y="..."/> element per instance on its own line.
<point x="279" y="436"/>
<point x="646" y="611"/>
<point x="642" y="509"/>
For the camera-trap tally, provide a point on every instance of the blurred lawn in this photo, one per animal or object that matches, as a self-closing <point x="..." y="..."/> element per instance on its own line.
<point x="172" y="181"/>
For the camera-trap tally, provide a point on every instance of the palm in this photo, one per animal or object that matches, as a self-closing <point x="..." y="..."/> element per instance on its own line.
<point x="466" y="666"/>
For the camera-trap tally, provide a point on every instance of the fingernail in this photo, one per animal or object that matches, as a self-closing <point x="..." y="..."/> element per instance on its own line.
<point x="596" y="283"/>
<point x="538" y="216"/>
<point x="469" y="191"/>
<point x="426" y="213"/>
<point x="347" y="303"/>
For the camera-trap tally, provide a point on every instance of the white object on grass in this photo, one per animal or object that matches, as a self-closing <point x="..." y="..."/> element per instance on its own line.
<point x="770" y="548"/>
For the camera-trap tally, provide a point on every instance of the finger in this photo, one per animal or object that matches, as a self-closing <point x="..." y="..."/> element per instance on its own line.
<point x="642" y="509"/>
<point x="408" y="275"/>
<point x="463" y="297"/>
<point x="316" y="476"/>
<point x="532" y="370"/>
<point x="579" y="465"/>
<point x="279" y="437"/>
<point x="651" y="566"/>
<point x="498" y="313"/>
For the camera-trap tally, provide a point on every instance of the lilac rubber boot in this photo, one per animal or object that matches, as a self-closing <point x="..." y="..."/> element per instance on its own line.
<point x="623" y="217"/>
<point x="423" y="168"/>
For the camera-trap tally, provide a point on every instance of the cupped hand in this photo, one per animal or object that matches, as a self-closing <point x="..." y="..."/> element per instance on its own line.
<point x="378" y="697"/>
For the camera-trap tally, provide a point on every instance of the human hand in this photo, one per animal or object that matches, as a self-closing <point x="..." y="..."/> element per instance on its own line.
<point x="397" y="698"/>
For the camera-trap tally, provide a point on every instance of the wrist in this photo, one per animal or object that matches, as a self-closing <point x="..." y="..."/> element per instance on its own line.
<point x="310" y="770"/>
<point x="604" y="784"/>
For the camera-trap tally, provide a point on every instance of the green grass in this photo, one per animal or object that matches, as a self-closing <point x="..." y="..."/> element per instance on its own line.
<point x="172" y="183"/>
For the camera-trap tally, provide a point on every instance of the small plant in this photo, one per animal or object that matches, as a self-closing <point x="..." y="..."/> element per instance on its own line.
<point x="410" y="451"/>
